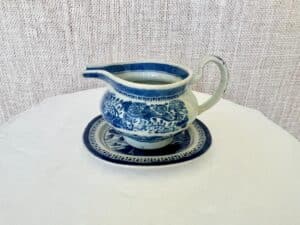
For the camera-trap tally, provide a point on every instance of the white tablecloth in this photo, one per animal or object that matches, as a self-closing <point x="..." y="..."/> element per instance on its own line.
<point x="250" y="175"/>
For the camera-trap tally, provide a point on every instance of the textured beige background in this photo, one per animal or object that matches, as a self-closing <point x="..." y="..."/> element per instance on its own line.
<point x="45" y="45"/>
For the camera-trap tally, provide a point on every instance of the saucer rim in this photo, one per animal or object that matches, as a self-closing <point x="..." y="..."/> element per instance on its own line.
<point x="91" y="149"/>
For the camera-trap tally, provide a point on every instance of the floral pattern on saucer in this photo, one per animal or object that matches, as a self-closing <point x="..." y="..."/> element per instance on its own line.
<point x="107" y="143"/>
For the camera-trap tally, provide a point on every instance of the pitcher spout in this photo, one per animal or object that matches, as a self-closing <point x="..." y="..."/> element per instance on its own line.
<point x="100" y="74"/>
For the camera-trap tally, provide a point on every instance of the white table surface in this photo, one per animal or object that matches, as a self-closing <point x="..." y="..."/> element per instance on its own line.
<point x="250" y="175"/>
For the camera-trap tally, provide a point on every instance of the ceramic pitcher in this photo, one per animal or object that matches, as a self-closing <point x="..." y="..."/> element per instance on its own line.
<point x="150" y="102"/>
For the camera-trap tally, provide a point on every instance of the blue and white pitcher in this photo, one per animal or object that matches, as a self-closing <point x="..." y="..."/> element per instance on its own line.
<point x="150" y="102"/>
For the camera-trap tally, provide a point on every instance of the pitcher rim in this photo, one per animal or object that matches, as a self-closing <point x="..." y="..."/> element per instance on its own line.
<point x="131" y="84"/>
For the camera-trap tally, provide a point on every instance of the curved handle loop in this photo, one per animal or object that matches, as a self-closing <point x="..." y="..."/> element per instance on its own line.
<point x="222" y="84"/>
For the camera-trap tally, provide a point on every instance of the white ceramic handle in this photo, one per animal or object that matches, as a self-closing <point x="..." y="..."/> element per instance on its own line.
<point x="222" y="85"/>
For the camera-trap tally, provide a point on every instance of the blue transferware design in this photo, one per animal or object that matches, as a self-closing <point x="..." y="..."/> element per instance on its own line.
<point x="140" y="116"/>
<point x="149" y="102"/>
<point x="105" y="142"/>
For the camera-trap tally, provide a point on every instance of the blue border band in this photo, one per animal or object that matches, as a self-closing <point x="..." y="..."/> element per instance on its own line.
<point x="139" y="93"/>
<point x="177" y="71"/>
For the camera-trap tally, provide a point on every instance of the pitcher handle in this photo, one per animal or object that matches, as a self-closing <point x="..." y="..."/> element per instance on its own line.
<point x="222" y="84"/>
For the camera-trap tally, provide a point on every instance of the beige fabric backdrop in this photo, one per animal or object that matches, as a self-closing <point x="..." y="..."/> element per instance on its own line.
<point x="45" y="45"/>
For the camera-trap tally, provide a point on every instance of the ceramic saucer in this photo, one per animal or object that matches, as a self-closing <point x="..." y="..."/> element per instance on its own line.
<point x="105" y="142"/>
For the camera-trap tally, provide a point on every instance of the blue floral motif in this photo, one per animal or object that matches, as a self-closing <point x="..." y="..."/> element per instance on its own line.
<point x="115" y="141"/>
<point x="186" y="145"/>
<point x="139" y="116"/>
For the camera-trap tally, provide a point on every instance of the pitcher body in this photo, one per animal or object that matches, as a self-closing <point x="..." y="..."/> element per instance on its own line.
<point x="149" y="102"/>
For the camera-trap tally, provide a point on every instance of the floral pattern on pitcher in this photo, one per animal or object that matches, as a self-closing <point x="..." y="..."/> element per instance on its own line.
<point x="139" y="116"/>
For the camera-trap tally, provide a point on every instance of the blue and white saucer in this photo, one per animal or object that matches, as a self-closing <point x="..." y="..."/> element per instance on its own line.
<point x="105" y="142"/>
